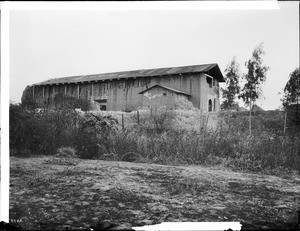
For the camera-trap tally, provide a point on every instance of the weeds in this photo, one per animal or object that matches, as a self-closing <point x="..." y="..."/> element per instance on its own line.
<point x="71" y="172"/>
<point x="62" y="161"/>
<point x="18" y="170"/>
<point x="39" y="181"/>
<point x="156" y="139"/>
<point x="66" y="152"/>
<point x="64" y="156"/>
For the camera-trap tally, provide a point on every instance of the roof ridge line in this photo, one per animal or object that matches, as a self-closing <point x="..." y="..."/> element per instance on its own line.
<point x="143" y="73"/>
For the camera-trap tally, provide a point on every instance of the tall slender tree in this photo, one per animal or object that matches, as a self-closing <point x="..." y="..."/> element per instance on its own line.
<point x="291" y="92"/>
<point x="291" y="95"/>
<point x="232" y="77"/>
<point x="255" y="76"/>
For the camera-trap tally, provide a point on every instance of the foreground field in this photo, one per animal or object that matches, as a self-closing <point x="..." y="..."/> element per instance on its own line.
<point x="44" y="195"/>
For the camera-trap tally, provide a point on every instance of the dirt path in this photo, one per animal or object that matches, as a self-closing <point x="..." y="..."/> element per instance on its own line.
<point x="53" y="196"/>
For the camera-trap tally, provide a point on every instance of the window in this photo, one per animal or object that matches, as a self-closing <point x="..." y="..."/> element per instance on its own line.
<point x="102" y="107"/>
<point x="79" y="90"/>
<point x="102" y="104"/>
<point x="121" y="84"/>
<point x="164" y="94"/>
<point x="217" y="83"/>
<point x="105" y="87"/>
<point x="209" y="105"/>
<point x="209" y="80"/>
<point x="215" y="104"/>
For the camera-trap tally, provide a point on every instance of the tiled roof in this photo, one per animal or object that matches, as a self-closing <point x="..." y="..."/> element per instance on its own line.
<point x="211" y="69"/>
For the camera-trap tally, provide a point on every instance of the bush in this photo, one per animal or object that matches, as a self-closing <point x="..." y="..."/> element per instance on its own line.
<point x="66" y="152"/>
<point x="60" y="127"/>
<point x="24" y="130"/>
<point x="61" y="101"/>
<point x="92" y="137"/>
<point x="40" y="132"/>
<point x="28" y="101"/>
<point x="157" y="114"/>
<point x="266" y="152"/>
<point x="123" y="146"/>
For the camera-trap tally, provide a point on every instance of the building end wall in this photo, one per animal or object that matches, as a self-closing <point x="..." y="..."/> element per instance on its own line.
<point x="209" y="91"/>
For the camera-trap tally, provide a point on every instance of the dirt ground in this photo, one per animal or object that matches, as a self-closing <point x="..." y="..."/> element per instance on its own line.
<point x="54" y="196"/>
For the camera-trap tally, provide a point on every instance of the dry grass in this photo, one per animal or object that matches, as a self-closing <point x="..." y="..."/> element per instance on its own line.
<point x="121" y="192"/>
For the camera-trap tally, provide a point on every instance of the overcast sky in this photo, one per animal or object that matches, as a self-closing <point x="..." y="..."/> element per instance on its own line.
<point x="52" y="44"/>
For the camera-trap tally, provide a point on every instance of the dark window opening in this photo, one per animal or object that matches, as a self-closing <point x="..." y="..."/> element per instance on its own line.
<point x="164" y="94"/>
<point x="209" y="105"/>
<point x="79" y="89"/>
<point x="102" y="104"/>
<point x="101" y="101"/>
<point x="217" y="83"/>
<point x="209" y="80"/>
<point x="102" y="107"/>
<point x="215" y="104"/>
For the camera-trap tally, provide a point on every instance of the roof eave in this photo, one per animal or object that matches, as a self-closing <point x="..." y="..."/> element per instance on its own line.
<point x="167" y="88"/>
<point x="216" y="72"/>
<point x="211" y="69"/>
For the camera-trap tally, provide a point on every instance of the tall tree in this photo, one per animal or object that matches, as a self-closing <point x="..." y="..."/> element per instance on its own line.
<point x="232" y="76"/>
<point x="291" y="95"/>
<point x="291" y="92"/>
<point x="255" y="76"/>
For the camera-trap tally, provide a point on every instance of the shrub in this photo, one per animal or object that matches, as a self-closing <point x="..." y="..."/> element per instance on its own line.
<point x="64" y="156"/>
<point x="39" y="132"/>
<point x="61" y="101"/>
<point x="265" y="152"/>
<point x="28" y="101"/>
<point x="123" y="146"/>
<point x="66" y="152"/>
<point x="93" y="135"/>
<point x="60" y="128"/>
<point x="24" y="130"/>
<point x="158" y="115"/>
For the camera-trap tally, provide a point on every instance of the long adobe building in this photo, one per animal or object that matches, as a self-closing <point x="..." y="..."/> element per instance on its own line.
<point x="124" y="91"/>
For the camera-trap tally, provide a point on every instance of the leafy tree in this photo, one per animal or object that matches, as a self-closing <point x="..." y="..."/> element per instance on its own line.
<point x="291" y="99"/>
<point x="254" y="78"/>
<point x="232" y="77"/>
<point x="292" y="89"/>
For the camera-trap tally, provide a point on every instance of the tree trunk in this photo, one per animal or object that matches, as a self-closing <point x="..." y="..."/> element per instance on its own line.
<point x="298" y="159"/>
<point x="250" y="118"/>
<point x="284" y="123"/>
